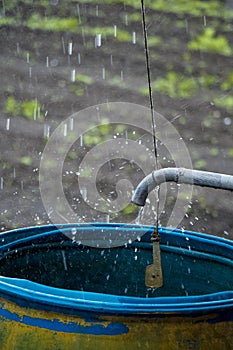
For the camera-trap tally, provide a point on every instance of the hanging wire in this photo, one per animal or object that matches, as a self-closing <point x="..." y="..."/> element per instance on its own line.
<point x="153" y="121"/>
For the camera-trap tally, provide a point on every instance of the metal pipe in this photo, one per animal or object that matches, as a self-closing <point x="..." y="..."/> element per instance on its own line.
<point x="180" y="175"/>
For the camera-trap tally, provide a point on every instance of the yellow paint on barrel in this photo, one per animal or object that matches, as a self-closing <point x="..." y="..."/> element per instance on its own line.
<point x="163" y="333"/>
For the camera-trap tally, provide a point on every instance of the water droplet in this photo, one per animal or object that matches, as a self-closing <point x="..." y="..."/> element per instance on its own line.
<point x="103" y="73"/>
<point x="204" y="20"/>
<point x="98" y="40"/>
<point x="227" y="121"/>
<point x="46" y="131"/>
<point x="73" y="75"/>
<point x="115" y="31"/>
<point x="8" y="124"/>
<point x="70" y="48"/>
<point x="54" y="62"/>
<point x="134" y="38"/>
<point x="65" y="130"/>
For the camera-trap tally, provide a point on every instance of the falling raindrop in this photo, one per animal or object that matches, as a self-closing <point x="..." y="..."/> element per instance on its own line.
<point x="1" y="183"/>
<point x="64" y="260"/>
<point x="71" y="124"/>
<point x="83" y="37"/>
<point x="8" y="124"/>
<point x="47" y="61"/>
<point x="98" y="40"/>
<point x="38" y="110"/>
<point x="28" y="57"/>
<point x="204" y="20"/>
<point x="46" y="131"/>
<point x="63" y="45"/>
<point x="103" y="73"/>
<point x="73" y="75"/>
<point x="126" y="20"/>
<point x="34" y="113"/>
<point x="186" y="25"/>
<point x="134" y="37"/>
<point x="65" y="130"/>
<point x="30" y="72"/>
<point x="115" y="31"/>
<point x="111" y="60"/>
<point x="97" y="11"/>
<point x="17" y="48"/>
<point x="81" y="140"/>
<point x="79" y="58"/>
<point x="78" y="12"/>
<point x="70" y="48"/>
<point x="122" y="75"/>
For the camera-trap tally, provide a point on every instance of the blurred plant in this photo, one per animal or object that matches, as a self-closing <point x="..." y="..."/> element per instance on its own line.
<point x="225" y="101"/>
<point x="55" y="24"/>
<point x="208" y="41"/>
<point x="228" y="83"/>
<point x="174" y="85"/>
<point x="27" y="108"/>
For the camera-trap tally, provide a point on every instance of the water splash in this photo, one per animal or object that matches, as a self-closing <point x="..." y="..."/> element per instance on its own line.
<point x="139" y="216"/>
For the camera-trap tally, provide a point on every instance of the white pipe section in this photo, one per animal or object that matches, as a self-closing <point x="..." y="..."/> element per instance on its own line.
<point x="180" y="175"/>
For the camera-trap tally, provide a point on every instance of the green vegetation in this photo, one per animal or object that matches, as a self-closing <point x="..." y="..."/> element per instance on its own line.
<point x="179" y="86"/>
<point x="55" y="24"/>
<point x="174" y="85"/>
<point x="122" y="35"/>
<point x="225" y="101"/>
<point x="27" y="108"/>
<point x="200" y="164"/>
<point x="85" y="79"/>
<point x="228" y="83"/>
<point x="230" y="152"/>
<point x="6" y="21"/>
<point x="210" y="42"/>
<point x="26" y="160"/>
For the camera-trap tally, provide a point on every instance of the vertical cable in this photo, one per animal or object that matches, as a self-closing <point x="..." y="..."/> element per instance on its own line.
<point x="153" y="122"/>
